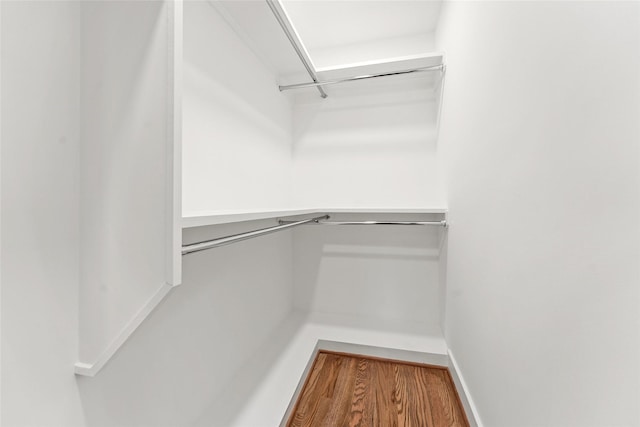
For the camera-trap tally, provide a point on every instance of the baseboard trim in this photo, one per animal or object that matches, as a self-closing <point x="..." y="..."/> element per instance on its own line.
<point x="383" y="352"/>
<point x="463" y="392"/>
<point x="91" y="369"/>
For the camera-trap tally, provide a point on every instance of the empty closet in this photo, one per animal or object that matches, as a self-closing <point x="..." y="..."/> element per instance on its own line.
<point x="253" y="155"/>
<point x="198" y="195"/>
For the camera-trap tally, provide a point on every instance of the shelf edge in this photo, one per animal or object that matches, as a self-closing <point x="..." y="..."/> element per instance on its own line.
<point x="220" y="218"/>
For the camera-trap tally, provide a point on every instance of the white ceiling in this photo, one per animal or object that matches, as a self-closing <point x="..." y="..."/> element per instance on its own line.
<point x="323" y="24"/>
<point x="334" y="31"/>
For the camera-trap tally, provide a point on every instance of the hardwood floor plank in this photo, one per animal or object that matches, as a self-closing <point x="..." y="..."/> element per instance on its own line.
<point x="358" y="391"/>
<point x="360" y="405"/>
<point x="344" y="384"/>
<point x="442" y="391"/>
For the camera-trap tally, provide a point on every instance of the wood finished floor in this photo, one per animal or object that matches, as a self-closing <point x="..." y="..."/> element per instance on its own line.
<point x="352" y="390"/>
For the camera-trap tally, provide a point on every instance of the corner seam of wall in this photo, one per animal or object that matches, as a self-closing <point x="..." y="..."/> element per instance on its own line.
<point x="91" y="369"/>
<point x="460" y="384"/>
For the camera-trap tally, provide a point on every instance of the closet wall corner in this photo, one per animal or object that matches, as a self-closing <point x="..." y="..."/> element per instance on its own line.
<point x="130" y="215"/>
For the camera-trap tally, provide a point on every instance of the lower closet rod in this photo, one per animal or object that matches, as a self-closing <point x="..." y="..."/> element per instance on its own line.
<point x="441" y="223"/>
<point x="214" y="243"/>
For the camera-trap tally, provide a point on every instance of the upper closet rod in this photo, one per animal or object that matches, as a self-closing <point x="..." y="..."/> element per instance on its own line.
<point x="214" y="243"/>
<point x="440" y="67"/>
<point x="297" y="45"/>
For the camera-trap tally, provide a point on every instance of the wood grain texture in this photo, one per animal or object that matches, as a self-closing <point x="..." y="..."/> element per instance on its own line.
<point x="359" y="391"/>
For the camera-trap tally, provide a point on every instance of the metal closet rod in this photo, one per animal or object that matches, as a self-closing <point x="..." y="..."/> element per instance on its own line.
<point x="214" y="243"/>
<point x="315" y="83"/>
<point x="295" y="43"/>
<point x="442" y="223"/>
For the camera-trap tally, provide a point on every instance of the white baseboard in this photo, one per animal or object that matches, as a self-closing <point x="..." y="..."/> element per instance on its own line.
<point x="383" y="352"/>
<point x="91" y="369"/>
<point x="467" y="402"/>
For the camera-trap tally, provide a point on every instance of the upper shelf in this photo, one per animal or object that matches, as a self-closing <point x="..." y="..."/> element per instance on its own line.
<point x="389" y="65"/>
<point x="427" y="64"/>
<point x="200" y="219"/>
<point x="363" y="59"/>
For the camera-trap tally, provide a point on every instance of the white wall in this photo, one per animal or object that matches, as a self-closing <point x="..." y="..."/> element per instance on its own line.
<point x="363" y="146"/>
<point x="40" y="197"/>
<point x="200" y="341"/>
<point x="123" y="160"/>
<point x="387" y="273"/>
<point x="237" y="125"/>
<point x="541" y="131"/>
<point x="192" y="359"/>
<point x="0" y="214"/>
<point x="368" y="145"/>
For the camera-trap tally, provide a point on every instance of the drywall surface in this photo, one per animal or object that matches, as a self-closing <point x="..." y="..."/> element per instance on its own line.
<point x="386" y="272"/>
<point x="40" y="196"/>
<point x="123" y="166"/>
<point x="0" y="215"/>
<point x="187" y="360"/>
<point x="195" y="344"/>
<point x="236" y="124"/>
<point x="369" y="144"/>
<point x="540" y="130"/>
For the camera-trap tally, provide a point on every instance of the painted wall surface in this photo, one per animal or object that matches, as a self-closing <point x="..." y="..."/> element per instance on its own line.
<point x="368" y="145"/>
<point x="541" y="132"/>
<point x="123" y="165"/>
<point x="236" y="122"/>
<point x="200" y="340"/>
<point x="387" y="273"/>
<point x="187" y="362"/>
<point x="40" y="196"/>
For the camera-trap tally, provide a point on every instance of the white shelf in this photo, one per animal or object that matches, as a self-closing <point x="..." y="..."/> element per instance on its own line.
<point x="269" y="386"/>
<point x="198" y="219"/>
<point x="226" y="217"/>
<point x="389" y="65"/>
<point x="436" y="210"/>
